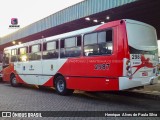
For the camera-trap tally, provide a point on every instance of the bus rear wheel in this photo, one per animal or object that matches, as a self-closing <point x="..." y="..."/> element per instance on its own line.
<point x="13" y="81"/>
<point x="60" y="86"/>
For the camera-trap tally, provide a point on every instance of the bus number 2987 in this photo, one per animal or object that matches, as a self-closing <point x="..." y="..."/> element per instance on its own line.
<point x="102" y="66"/>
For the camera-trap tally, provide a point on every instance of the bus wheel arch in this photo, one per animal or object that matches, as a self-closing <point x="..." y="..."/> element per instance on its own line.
<point x="13" y="80"/>
<point x="60" y="85"/>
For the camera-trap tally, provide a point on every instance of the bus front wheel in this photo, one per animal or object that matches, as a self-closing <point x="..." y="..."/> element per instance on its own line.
<point x="60" y="86"/>
<point x="14" y="82"/>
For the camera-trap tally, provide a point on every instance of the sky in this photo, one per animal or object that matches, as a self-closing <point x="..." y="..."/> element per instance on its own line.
<point x="28" y="11"/>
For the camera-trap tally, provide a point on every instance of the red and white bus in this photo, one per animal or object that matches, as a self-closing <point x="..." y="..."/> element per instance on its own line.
<point x="118" y="55"/>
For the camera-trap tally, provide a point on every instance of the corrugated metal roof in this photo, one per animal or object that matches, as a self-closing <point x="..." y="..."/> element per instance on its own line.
<point x="80" y="10"/>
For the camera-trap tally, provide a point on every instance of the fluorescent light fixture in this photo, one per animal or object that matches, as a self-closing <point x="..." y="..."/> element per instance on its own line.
<point x="107" y="17"/>
<point x="13" y="42"/>
<point x="88" y="19"/>
<point x="19" y="43"/>
<point x="95" y="21"/>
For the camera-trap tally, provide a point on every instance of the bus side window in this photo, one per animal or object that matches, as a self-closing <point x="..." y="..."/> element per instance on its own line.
<point x="35" y="52"/>
<point x="5" y="59"/>
<point x="72" y="47"/>
<point x="13" y="55"/>
<point x="105" y="42"/>
<point x="51" y="50"/>
<point x="90" y="44"/>
<point x="22" y="54"/>
<point x="99" y="43"/>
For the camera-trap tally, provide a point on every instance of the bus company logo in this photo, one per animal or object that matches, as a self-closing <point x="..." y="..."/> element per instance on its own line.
<point x="51" y="67"/>
<point x="24" y="68"/>
<point x="14" y="23"/>
<point x="31" y="67"/>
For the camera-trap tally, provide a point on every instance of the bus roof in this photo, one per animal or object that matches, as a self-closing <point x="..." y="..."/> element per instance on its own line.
<point x="73" y="33"/>
<point x="61" y="36"/>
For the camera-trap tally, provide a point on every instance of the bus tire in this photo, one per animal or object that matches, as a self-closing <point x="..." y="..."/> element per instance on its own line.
<point x="60" y="86"/>
<point x="13" y="81"/>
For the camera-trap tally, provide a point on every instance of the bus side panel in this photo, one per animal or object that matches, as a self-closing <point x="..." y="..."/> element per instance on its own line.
<point x="85" y="77"/>
<point x="94" y="73"/>
<point x="50" y="68"/>
<point x="19" y="79"/>
<point x="49" y="83"/>
<point x="7" y="72"/>
<point x="122" y="48"/>
<point x="92" y="84"/>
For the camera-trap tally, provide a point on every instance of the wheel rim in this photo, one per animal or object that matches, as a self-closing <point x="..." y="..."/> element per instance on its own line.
<point x="14" y="81"/>
<point x="60" y="85"/>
